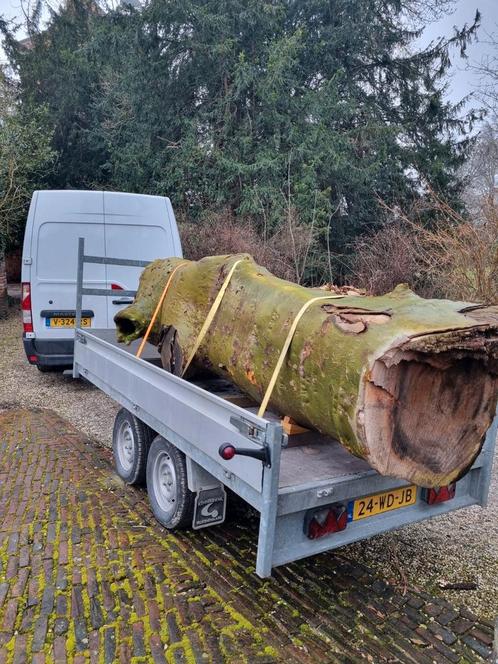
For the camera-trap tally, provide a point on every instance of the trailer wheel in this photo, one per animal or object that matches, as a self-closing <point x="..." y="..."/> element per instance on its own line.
<point x="171" y="500"/>
<point x="131" y="439"/>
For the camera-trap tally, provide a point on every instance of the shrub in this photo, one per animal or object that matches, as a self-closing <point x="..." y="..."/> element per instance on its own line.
<point x="287" y="253"/>
<point x="455" y="258"/>
<point x="387" y="258"/>
<point x="461" y="257"/>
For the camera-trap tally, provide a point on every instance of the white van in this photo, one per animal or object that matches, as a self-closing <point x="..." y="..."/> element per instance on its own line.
<point x="115" y="225"/>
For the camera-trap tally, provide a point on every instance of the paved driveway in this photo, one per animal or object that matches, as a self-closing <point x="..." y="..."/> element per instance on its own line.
<point x="87" y="575"/>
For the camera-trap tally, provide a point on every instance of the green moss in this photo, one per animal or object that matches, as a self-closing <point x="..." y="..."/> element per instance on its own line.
<point x="9" y="649"/>
<point x="71" y="642"/>
<point x="271" y="651"/>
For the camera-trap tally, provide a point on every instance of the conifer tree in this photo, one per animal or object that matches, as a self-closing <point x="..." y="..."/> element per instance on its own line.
<point x="276" y="109"/>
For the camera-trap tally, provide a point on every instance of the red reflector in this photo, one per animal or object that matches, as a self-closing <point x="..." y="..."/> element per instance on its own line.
<point x="27" y="320"/>
<point x="33" y="358"/>
<point x="116" y="287"/>
<point x="440" y="495"/>
<point x="227" y="451"/>
<point x="328" y="520"/>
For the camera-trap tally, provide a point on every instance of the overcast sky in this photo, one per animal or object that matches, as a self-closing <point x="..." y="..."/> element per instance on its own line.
<point x="463" y="79"/>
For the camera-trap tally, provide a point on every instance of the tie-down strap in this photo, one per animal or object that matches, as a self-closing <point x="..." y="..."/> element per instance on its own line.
<point x="285" y="348"/>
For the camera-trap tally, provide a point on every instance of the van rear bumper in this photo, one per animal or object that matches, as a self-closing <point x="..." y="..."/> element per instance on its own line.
<point x="49" y="352"/>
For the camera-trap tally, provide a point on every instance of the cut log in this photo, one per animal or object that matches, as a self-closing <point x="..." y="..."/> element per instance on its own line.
<point x="406" y="383"/>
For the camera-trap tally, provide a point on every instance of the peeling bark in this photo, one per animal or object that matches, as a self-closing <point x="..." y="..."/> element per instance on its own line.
<point x="406" y="383"/>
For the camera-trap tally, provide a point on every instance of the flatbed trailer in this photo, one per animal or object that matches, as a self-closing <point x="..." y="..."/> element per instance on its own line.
<point x="311" y="493"/>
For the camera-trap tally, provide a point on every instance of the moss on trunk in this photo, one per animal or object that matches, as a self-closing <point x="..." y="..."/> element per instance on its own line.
<point x="408" y="384"/>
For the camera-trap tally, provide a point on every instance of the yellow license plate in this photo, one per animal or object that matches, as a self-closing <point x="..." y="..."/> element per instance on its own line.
<point x="384" y="502"/>
<point x="68" y="321"/>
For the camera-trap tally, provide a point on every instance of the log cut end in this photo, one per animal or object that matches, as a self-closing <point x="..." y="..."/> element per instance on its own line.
<point x="428" y="403"/>
<point x="130" y="324"/>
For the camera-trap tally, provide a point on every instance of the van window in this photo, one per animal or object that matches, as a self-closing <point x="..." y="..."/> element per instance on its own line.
<point x="143" y="242"/>
<point x="57" y="249"/>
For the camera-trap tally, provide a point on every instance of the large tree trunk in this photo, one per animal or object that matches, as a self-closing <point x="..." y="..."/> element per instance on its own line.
<point x="406" y="383"/>
<point x="4" y="298"/>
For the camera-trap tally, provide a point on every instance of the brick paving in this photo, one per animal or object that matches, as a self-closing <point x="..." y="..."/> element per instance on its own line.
<point x="87" y="575"/>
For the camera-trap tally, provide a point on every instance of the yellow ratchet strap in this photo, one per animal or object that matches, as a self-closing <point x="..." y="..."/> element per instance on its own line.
<point x="212" y="313"/>
<point x="285" y="348"/>
<point x="158" y="308"/>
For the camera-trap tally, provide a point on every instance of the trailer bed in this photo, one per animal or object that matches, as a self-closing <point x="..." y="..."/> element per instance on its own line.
<point x="310" y="458"/>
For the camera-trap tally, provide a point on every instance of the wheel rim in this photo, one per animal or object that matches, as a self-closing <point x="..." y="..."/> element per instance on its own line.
<point x="165" y="485"/>
<point x="125" y="446"/>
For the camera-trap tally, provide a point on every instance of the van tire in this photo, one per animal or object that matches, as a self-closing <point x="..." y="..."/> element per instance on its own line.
<point x="131" y="440"/>
<point x="171" y="500"/>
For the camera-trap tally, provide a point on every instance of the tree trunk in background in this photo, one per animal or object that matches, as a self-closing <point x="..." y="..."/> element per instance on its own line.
<point x="4" y="300"/>
<point x="406" y="383"/>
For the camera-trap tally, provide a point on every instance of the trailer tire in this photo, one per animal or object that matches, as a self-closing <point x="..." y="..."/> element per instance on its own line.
<point x="171" y="500"/>
<point x="131" y="440"/>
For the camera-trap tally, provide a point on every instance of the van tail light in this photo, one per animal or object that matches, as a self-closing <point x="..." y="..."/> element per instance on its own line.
<point x="116" y="287"/>
<point x="27" y="318"/>
<point x="330" y="519"/>
<point x="440" y="494"/>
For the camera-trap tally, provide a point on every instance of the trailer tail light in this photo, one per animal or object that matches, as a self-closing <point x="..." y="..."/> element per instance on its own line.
<point x="27" y="318"/>
<point x="440" y="494"/>
<point x="330" y="519"/>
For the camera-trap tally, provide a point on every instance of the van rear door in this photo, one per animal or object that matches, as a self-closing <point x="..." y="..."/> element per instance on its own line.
<point x="60" y="219"/>
<point x="136" y="227"/>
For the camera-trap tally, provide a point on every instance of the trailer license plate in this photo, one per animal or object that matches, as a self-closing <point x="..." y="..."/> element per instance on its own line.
<point x="384" y="502"/>
<point x="68" y="321"/>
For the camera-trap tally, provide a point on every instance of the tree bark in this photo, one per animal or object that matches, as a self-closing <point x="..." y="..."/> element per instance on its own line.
<point x="406" y="383"/>
<point x="4" y="298"/>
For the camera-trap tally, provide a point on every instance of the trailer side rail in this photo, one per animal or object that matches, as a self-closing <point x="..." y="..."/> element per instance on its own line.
<point x="105" y="292"/>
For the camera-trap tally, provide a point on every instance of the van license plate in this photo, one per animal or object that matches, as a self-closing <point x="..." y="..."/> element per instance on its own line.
<point x="67" y="321"/>
<point x="384" y="502"/>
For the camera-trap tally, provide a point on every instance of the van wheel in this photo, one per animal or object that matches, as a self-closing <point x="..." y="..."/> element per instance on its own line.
<point x="171" y="500"/>
<point x="131" y="439"/>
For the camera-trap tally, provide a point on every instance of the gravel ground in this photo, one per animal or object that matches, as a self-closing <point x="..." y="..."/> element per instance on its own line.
<point x="459" y="547"/>
<point x="21" y="384"/>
